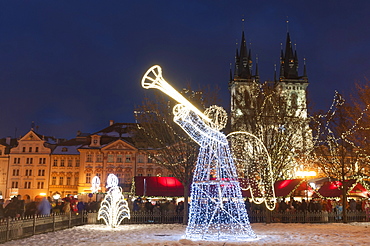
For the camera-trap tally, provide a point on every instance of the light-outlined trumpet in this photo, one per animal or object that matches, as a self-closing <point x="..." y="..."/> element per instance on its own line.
<point x="153" y="79"/>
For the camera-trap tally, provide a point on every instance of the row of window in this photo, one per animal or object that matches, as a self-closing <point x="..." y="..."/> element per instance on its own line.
<point x="29" y="160"/>
<point x="30" y="149"/>
<point x="27" y="185"/>
<point x="61" y="181"/>
<point x="62" y="163"/>
<point x="119" y="158"/>
<point x="28" y="172"/>
<point x="121" y="178"/>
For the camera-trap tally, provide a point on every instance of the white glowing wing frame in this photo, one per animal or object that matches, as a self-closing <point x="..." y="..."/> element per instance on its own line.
<point x="254" y="165"/>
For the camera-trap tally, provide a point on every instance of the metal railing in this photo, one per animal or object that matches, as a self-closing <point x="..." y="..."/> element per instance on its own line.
<point x="16" y="228"/>
<point x="254" y="217"/>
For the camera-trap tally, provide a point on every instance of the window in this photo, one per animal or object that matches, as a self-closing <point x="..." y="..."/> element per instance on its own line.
<point x="88" y="178"/>
<point x="37" y="149"/>
<point x="62" y="162"/>
<point x="89" y="158"/>
<point x="28" y="172"/>
<point x="29" y="160"/>
<point x="17" y="160"/>
<point x="27" y="185"/>
<point x="150" y="160"/>
<point x="24" y="149"/>
<point x="15" y="172"/>
<point x="68" y="180"/>
<point x="99" y="158"/>
<point x="15" y="184"/>
<point x="42" y="160"/>
<point x="110" y="157"/>
<point x="119" y="158"/>
<point x="61" y="180"/>
<point x="69" y="162"/>
<point x="140" y="159"/>
<point x="30" y="149"/>
<point x="41" y="172"/>
<point x="128" y="158"/>
<point x="40" y="185"/>
<point x="53" y="180"/>
<point x="77" y="162"/>
<point x="55" y="163"/>
<point x="76" y="180"/>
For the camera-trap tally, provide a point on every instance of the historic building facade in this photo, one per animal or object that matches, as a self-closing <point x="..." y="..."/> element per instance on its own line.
<point x="271" y="108"/>
<point x="29" y="165"/>
<point x="35" y="165"/>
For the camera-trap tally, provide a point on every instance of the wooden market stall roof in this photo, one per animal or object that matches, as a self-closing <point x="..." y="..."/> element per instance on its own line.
<point x="333" y="189"/>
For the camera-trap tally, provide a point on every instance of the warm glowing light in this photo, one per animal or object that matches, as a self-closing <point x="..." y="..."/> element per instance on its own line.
<point x="114" y="208"/>
<point x="42" y="194"/>
<point x="153" y="79"/>
<point x="305" y="173"/>
<point x="56" y="196"/>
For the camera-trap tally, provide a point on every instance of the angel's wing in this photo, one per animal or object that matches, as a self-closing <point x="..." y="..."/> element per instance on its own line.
<point x="254" y="166"/>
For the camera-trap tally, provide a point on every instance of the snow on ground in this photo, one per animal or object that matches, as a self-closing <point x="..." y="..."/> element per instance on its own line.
<point x="171" y="235"/>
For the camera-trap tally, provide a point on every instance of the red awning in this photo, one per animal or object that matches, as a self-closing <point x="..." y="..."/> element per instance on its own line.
<point x="283" y="187"/>
<point x="332" y="189"/>
<point x="158" y="186"/>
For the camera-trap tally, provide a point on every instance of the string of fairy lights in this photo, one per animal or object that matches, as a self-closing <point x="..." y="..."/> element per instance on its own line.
<point x="334" y="142"/>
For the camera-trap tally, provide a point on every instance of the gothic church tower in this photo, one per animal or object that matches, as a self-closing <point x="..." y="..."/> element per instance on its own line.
<point x="243" y="87"/>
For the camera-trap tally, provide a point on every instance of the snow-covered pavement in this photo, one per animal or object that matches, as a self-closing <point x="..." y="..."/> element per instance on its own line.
<point x="171" y="235"/>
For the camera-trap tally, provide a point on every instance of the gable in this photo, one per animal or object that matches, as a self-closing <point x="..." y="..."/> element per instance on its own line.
<point x="119" y="145"/>
<point x="31" y="136"/>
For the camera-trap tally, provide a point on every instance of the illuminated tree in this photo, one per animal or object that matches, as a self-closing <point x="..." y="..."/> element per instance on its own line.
<point x="278" y="124"/>
<point x="359" y="134"/>
<point x="337" y="155"/>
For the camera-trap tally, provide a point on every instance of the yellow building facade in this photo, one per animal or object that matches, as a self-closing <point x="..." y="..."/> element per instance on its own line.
<point x="35" y="165"/>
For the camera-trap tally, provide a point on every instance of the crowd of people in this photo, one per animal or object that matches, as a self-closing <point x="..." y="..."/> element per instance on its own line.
<point x="315" y="205"/>
<point x="163" y="205"/>
<point x="17" y="207"/>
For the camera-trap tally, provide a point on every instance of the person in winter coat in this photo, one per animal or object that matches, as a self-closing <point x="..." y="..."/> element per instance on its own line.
<point x="44" y="207"/>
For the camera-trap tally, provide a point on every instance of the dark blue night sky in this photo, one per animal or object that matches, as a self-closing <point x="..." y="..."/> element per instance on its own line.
<point x="75" y="65"/>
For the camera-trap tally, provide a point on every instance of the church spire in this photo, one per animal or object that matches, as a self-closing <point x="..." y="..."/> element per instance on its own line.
<point x="289" y="61"/>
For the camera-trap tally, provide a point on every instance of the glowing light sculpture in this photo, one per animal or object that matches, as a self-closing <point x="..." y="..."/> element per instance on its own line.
<point x="95" y="184"/>
<point x="114" y="208"/>
<point x="253" y="163"/>
<point x="217" y="209"/>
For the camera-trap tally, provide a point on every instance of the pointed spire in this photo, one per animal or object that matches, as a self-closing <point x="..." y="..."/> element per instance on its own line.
<point x="257" y="75"/>
<point x="304" y="68"/>
<point x="275" y="80"/>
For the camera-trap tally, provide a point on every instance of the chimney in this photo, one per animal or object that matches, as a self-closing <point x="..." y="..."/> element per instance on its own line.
<point x="8" y="139"/>
<point x="111" y="122"/>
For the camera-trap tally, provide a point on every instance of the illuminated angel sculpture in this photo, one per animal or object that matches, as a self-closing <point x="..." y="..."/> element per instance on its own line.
<point x="114" y="208"/>
<point x="217" y="209"/>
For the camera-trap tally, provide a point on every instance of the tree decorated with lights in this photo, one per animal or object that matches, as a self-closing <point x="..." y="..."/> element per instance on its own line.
<point x="273" y="111"/>
<point x="217" y="209"/>
<point x="114" y="208"/>
<point x="338" y="152"/>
